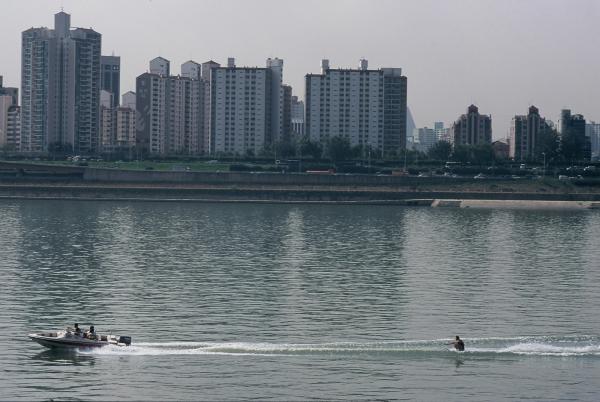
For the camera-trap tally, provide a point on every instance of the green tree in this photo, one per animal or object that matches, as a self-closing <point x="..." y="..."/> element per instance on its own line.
<point x="440" y="151"/>
<point x="285" y="149"/>
<point x="339" y="149"/>
<point x="573" y="146"/>
<point x="249" y="153"/>
<point x="548" y="144"/>
<point x="310" y="148"/>
<point x="482" y="154"/>
<point x="461" y="153"/>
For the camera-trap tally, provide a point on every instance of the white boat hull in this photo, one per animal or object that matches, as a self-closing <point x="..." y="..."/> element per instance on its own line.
<point x="66" y="339"/>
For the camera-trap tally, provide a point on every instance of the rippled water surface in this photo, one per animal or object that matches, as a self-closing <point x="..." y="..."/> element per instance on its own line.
<point x="232" y="302"/>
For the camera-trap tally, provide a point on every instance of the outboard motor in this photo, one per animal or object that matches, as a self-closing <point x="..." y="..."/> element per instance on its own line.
<point x="125" y="339"/>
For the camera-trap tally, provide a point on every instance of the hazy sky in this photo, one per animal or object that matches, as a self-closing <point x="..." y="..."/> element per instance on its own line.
<point x="502" y="55"/>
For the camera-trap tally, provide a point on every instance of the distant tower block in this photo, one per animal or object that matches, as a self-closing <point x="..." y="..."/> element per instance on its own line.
<point x="364" y="64"/>
<point x="230" y="62"/>
<point x="324" y="65"/>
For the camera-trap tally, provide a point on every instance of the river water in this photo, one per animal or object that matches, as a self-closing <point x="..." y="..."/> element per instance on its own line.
<point x="295" y="302"/>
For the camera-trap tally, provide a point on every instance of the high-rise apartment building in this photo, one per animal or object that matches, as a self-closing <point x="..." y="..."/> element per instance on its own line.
<point x="117" y="124"/>
<point x="441" y="133"/>
<point x="10" y="118"/>
<point x="286" y="113"/>
<point x="472" y="128"/>
<point x="593" y="133"/>
<point x="12" y="92"/>
<point x="410" y="123"/>
<point x="106" y="128"/>
<point x="297" y="112"/>
<point x="60" y="87"/>
<point x="210" y="109"/>
<point x="39" y="78"/>
<point x="526" y="135"/>
<point x="6" y="103"/>
<point x="170" y="110"/>
<point x="111" y="77"/>
<point x="184" y="114"/>
<point x="277" y="100"/>
<point x="425" y="138"/>
<point x="125" y="126"/>
<point x="394" y="109"/>
<point x="127" y="120"/>
<point x="574" y="142"/>
<point x="206" y="74"/>
<point x="368" y="107"/>
<point x="241" y="108"/>
<point x="151" y="113"/>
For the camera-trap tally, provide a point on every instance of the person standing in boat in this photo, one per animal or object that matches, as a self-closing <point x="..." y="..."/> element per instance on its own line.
<point x="77" y="329"/>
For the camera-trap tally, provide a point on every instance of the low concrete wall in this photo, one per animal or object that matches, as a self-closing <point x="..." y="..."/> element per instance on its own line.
<point x="136" y="176"/>
<point x="277" y="195"/>
<point x="46" y="169"/>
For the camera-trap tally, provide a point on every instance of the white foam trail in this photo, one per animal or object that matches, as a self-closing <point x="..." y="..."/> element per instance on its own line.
<point x="551" y="350"/>
<point x="537" y="346"/>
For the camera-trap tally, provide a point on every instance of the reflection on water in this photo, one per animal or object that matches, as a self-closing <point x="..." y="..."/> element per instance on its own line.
<point x="458" y="362"/>
<point x="55" y="356"/>
<point x="242" y="289"/>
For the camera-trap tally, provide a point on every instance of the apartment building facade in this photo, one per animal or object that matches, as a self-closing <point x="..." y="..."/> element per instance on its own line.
<point x="60" y="87"/>
<point x="472" y="128"/>
<point x="368" y="107"/>
<point x="526" y="133"/>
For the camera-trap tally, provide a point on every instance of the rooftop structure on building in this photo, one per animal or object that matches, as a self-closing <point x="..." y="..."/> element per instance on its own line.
<point x="160" y="66"/>
<point x="128" y="100"/>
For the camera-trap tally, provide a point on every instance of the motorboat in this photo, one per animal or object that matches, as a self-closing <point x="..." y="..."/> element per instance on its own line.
<point x="70" y="338"/>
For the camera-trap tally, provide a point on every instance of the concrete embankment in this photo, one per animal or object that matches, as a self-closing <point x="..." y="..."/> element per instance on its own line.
<point x="32" y="181"/>
<point x="296" y="194"/>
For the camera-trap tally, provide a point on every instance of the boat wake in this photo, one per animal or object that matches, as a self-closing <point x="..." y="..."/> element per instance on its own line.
<point x="533" y="346"/>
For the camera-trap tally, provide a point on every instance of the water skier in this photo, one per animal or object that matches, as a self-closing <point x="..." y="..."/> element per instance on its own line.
<point x="458" y="344"/>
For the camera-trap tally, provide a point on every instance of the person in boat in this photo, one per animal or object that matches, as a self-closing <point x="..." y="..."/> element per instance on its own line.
<point x="77" y="329"/>
<point x="458" y="344"/>
<point x="91" y="333"/>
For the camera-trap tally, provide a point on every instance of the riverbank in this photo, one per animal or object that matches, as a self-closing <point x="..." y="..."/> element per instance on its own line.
<point x="35" y="181"/>
<point x="475" y="197"/>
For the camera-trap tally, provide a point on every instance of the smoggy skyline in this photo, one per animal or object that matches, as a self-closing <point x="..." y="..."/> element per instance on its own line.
<point x="502" y="55"/>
